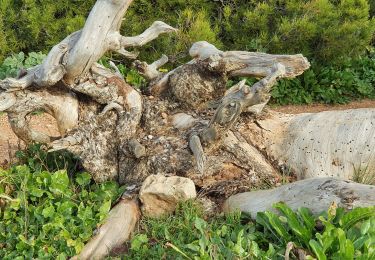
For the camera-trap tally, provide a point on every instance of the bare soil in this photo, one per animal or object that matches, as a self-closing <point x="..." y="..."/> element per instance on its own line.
<point x="314" y="108"/>
<point x="9" y="143"/>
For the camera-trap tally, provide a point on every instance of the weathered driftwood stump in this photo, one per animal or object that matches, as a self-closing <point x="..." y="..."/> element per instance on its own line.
<point x="187" y="122"/>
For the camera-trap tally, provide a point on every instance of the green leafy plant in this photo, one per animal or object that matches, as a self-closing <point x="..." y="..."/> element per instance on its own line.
<point x="48" y="209"/>
<point x="47" y="215"/>
<point x="130" y="75"/>
<point x="334" y="234"/>
<point x="329" y="84"/>
<point x="36" y="157"/>
<point x="187" y="235"/>
<point x="12" y="64"/>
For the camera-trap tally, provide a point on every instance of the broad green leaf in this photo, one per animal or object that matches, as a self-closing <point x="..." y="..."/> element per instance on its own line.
<point x="200" y="224"/>
<point x="365" y="227"/>
<point x="104" y="209"/>
<point x="292" y="219"/>
<point x="83" y="179"/>
<point x="138" y="241"/>
<point x="317" y="249"/>
<point x="48" y="212"/>
<point x="356" y="215"/>
<point x="346" y="246"/>
<point x="263" y="220"/>
<point x="307" y="217"/>
<point x="37" y="192"/>
<point x="277" y="225"/>
<point x="66" y="208"/>
<point x="59" y="182"/>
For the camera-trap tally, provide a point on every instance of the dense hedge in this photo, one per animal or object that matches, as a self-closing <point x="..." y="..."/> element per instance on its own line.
<point x="321" y="29"/>
<point x="331" y="33"/>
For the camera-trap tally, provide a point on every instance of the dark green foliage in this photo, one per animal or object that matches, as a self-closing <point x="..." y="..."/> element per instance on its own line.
<point x="36" y="157"/>
<point x="322" y="30"/>
<point x="188" y="236"/>
<point x="39" y="24"/>
<point x="130" y="75"/>
<point x="192" y="18"/>
<point x="48" y="215"/>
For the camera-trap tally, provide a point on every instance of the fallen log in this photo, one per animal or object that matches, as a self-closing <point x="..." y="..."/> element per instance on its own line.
<point x="316" y="194"/>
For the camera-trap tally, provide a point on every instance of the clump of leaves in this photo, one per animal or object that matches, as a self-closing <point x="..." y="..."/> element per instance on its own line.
<point x="12" y="64"/>
<point x="47" y="215"/>
<point x="329" y="84"/>
<point x="130" y="75"/>
<point x="36" y="157"/>
<point x="187" y="235"/>
<point x="334" y="234"/>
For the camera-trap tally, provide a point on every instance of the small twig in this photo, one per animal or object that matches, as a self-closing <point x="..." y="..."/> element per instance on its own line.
<point x="289" y="248"/>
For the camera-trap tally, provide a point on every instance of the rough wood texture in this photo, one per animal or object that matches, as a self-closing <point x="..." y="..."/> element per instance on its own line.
<point x="62" y="105"/>
<point x="316" y="194"/>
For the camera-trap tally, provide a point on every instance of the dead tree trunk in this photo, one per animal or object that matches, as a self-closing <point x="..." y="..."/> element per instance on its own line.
<point x="186" y="123"/>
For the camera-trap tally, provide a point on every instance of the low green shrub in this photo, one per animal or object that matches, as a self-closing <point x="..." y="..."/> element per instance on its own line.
<point x="354" y="79"/>
<point x="129" y="74"/>
<point x="47" y="215"/>
<point x="186" y="235"/>
<point x="48" y="209"/>
<point x="36" y="157"/>
<point x="12" y="64"/>
<point x="323" y="30"/>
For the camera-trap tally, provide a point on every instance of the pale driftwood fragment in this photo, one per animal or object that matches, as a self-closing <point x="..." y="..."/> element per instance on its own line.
<point x="242" y="63"/>
<point x="151" y="72"/>
<point x="317" y="194"/>
<point x="116" y="230"/>
<point x="197" y="149"/>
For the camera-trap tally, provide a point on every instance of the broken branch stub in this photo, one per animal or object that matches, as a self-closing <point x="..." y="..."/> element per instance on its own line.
<point x="114" y="233"/>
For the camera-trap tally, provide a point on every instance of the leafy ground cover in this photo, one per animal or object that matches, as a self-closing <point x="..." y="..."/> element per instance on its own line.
<point x="49" y="214"/>
<point x="334" y="234"/>
<point x="49" y="209"/>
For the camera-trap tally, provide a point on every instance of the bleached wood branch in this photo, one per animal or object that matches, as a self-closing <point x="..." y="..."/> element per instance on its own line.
<point x="242" y="63"/>
<point x="148" y="35"/>
<point x="316" y="194"/>
<point x="237" y="100"/>
<point x="151" y="71"/>
<point x="116" y="230"/>
<point x="62" y="106"/>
